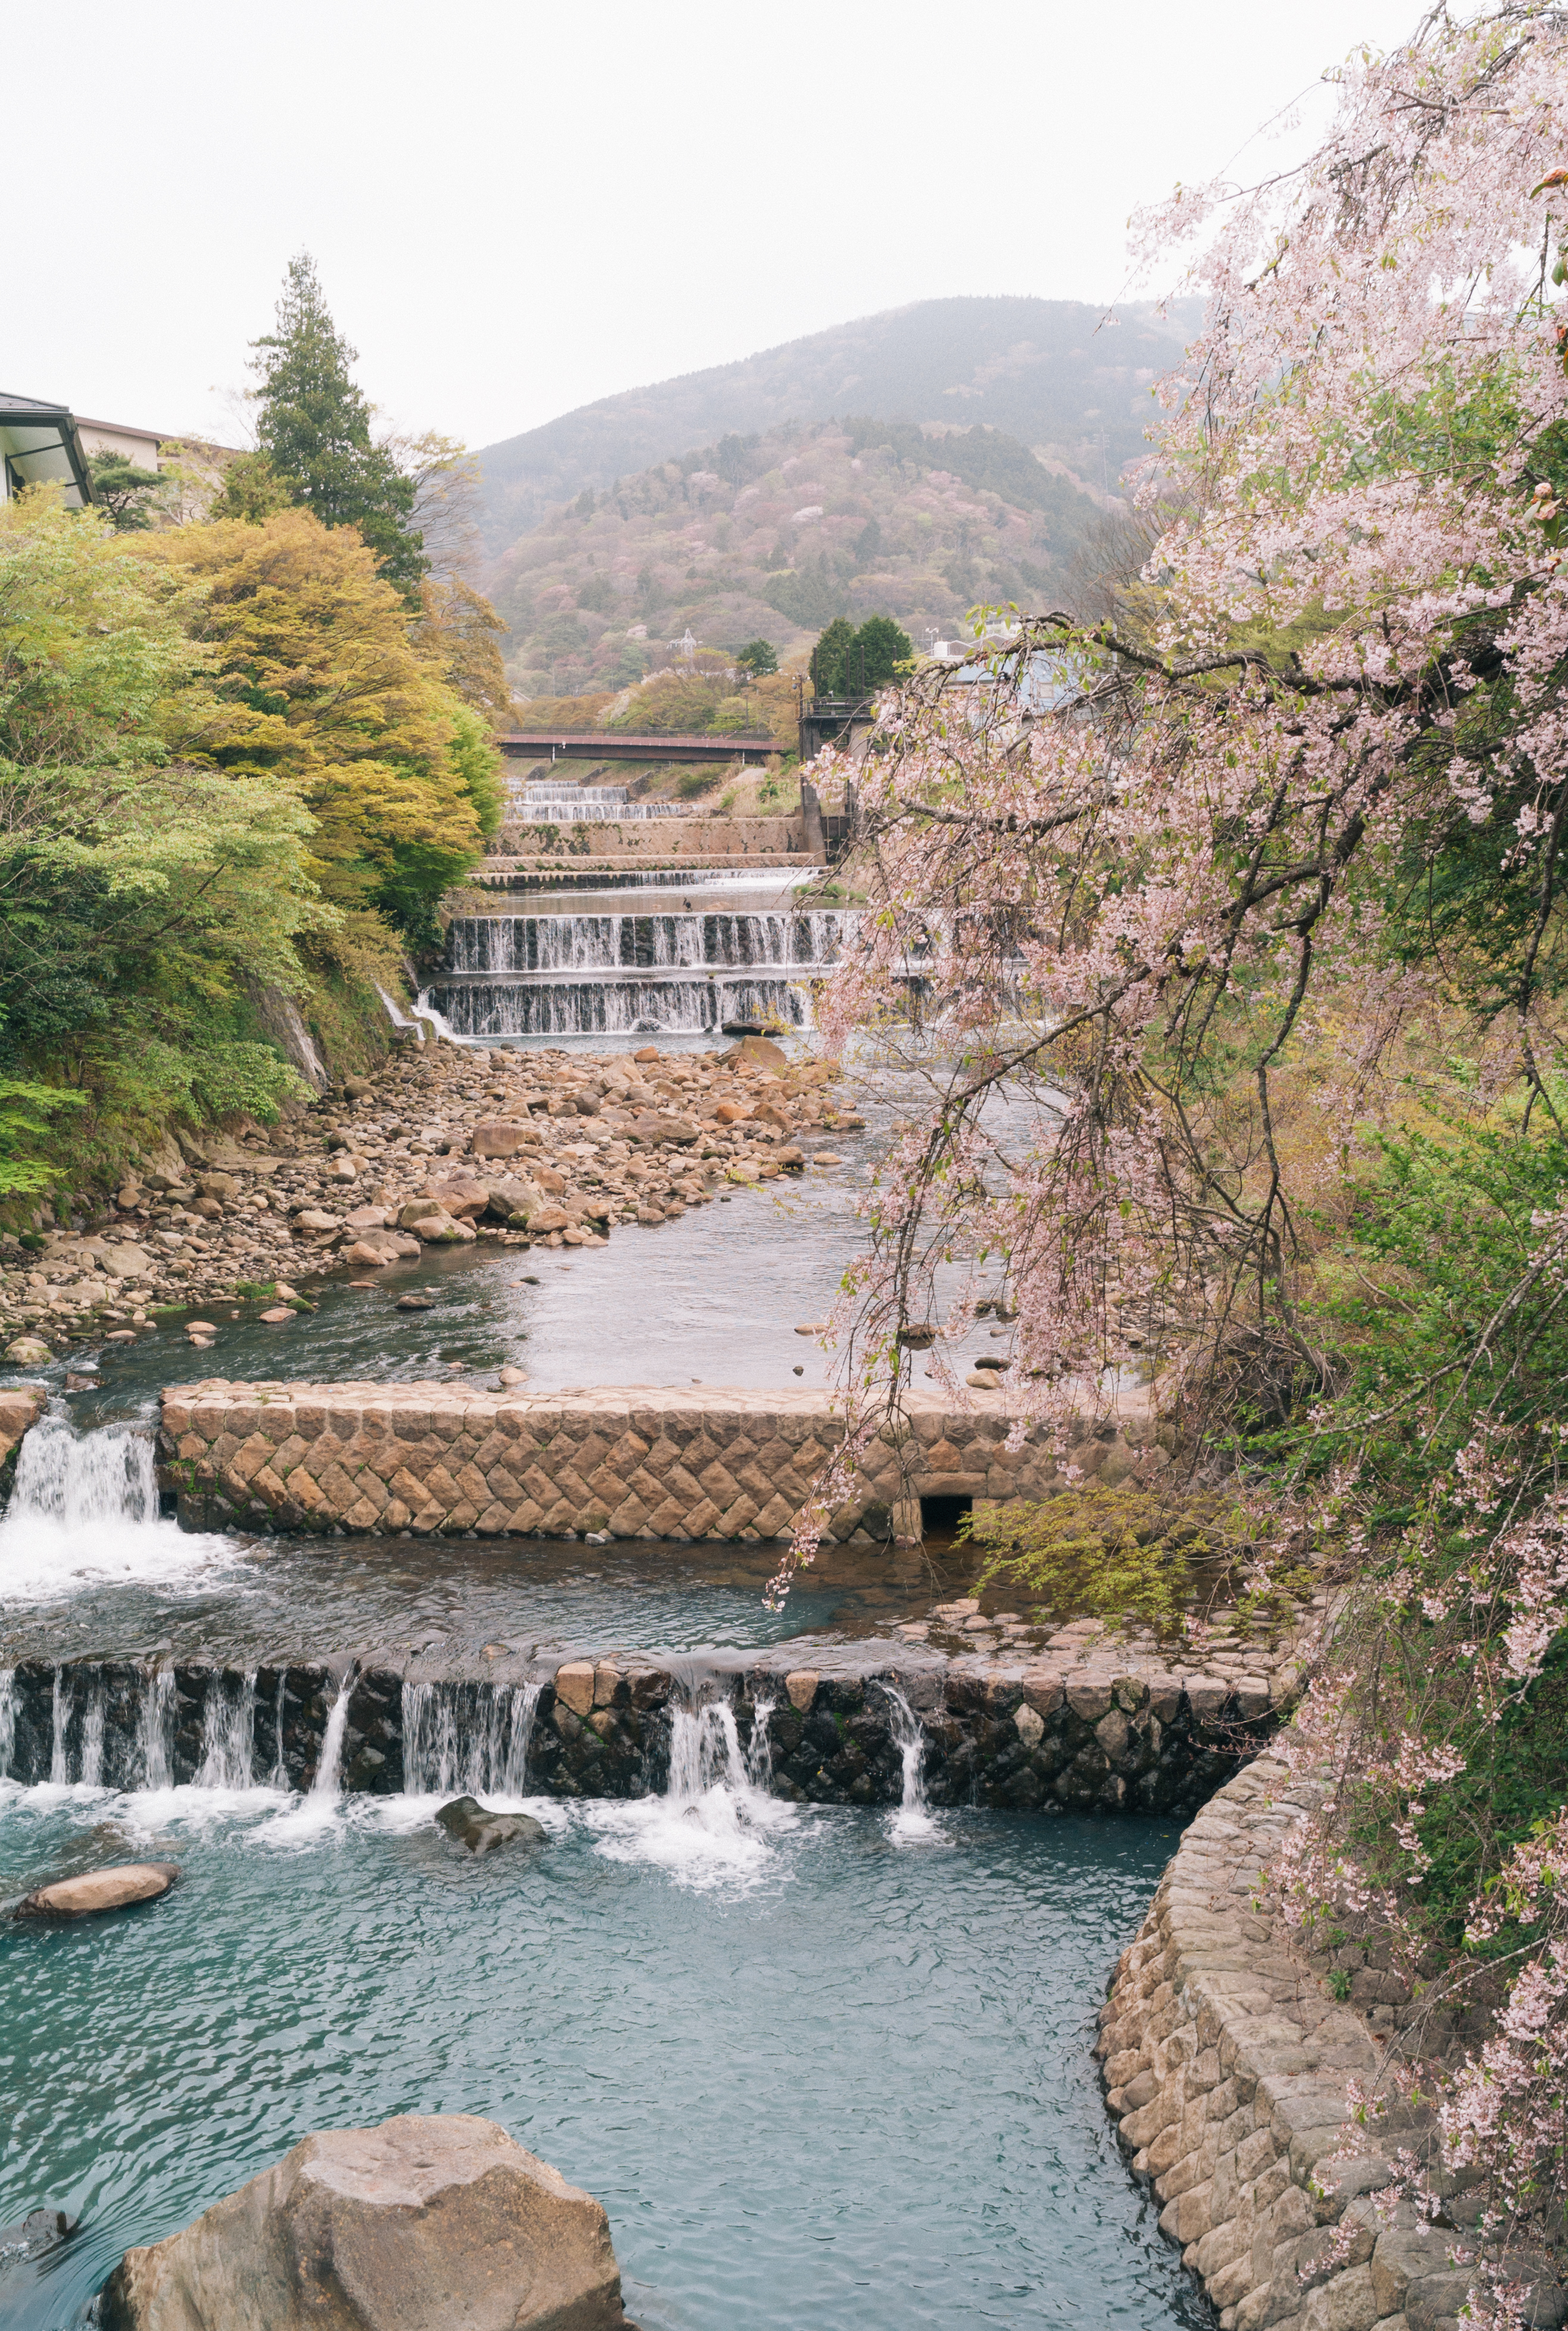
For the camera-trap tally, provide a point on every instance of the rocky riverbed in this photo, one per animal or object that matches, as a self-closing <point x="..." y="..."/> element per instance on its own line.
<point x="447" y="1145"/>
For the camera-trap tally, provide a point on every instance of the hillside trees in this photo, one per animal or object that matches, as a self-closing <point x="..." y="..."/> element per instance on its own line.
<point x="1278" y="892"/>
<point x="318" y="687"/>
<point x="313" y="431"/>
<point x="139" y="891"/>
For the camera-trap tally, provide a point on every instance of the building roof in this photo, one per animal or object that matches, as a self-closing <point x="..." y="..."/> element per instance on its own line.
<point x="40" y="444"/>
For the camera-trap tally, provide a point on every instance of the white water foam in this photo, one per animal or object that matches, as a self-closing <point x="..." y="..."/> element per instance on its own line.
<point x="85" y="1509"/>
<point x="714" y="1825"/>
<point x="913" y="1824"/>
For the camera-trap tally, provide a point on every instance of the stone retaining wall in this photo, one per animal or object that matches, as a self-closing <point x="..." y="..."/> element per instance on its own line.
<point x="1227" y="2060"/>
<point x="637" y="1463"/>
<point x="736" y="838"/>
<point x="1090" y="1733"/>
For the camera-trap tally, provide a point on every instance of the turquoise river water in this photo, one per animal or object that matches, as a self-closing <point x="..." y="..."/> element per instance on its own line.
<point x="826" y="2069"/>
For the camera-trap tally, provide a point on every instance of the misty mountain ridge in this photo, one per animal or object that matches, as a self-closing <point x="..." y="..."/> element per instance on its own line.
<point x="1052" y="373"/>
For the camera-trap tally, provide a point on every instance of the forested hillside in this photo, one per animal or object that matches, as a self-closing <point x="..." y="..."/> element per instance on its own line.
<point x="1050" y="372"/>
<point x="773" y="537"/>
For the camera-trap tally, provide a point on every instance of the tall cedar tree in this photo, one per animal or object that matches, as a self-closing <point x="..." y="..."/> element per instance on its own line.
<point x="313" y="429"/>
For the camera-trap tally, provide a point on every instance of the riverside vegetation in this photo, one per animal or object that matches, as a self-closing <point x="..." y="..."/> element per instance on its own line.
<point x="1263" y="941"/>
<point x="243" y="752"/>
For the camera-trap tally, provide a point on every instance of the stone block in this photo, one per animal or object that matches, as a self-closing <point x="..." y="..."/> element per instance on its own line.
<point x="574" y="1685"/>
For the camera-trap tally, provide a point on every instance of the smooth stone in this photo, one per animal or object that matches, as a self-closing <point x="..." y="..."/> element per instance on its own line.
<point x="983" y="1380"/>
<point x="28" y="1352"/>
<point x="470" y="1823"/>
<point x="276" y="1317"/>
<point x="421" y="2224"/>
<point x="100" y="1889"/>
<point x="415" y="1303"/>
<point x="825" y="1157"/>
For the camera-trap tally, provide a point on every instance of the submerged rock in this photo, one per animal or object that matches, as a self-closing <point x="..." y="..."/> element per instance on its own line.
<point x="100" y="1889"/>
<point x="420" y="2224"/>
<point x="470" y="1823"/>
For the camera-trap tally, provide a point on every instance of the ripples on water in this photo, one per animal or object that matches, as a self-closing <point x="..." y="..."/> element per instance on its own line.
<point x="815" y="2079"/>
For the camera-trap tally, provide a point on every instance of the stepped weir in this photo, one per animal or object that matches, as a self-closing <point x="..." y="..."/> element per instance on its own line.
<point x="690" y="971"/>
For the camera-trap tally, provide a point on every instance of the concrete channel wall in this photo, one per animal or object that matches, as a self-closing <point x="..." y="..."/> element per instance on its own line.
<point x="637" y="1462"/>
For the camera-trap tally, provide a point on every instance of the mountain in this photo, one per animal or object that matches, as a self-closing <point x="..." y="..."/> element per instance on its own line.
<point x="771" y="537"/>
<point x="1051" y="372"/>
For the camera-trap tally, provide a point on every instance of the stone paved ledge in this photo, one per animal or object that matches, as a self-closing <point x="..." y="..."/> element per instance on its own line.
<point x="637" y="1462"/>
<point x="1226" y="2062"/>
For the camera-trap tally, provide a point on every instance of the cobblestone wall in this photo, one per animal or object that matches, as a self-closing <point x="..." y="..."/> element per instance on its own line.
<point x="634" y="1462"/>
<point x="1227" y="2058"/>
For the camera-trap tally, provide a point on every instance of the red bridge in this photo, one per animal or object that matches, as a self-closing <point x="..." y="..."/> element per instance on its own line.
<point x="632" y="745"/>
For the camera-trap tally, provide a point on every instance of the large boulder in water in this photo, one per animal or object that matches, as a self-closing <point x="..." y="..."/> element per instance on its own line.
<point x="421" y="2224"/>
<point x="100" y="1889"/>
<point x="474" y="1825"/>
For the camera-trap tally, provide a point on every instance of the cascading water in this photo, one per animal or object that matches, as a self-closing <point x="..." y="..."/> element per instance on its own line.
<point x="716" y="1821"/>
<point x="558" y="801"/>
<point x="85" y="1506"/>
<point x="913" y="1820"/>
<point x="561" y="974"/>
<point x="468" y="1739"/>
<point x="154" y="1730"/>
<point x="7" y="1720"/>
<point x="228" y="1732"/>
<point x="79" y="1482"/>
<point x="327" y="1786"/>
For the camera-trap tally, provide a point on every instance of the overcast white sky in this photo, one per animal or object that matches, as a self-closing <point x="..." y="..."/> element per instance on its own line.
<point x="517" y="208"/>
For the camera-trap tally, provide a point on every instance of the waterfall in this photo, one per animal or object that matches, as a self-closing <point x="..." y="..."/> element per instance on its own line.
<point x="327" y="1786"/>
<point x="913" y="1818"/>
<point x="559" y="801"/>
<point x="155" y="1731"/>
<point x="228" y="1732"/>
<point x="467" y="1739"/>
<point x="759" y="1747"/>
<point x="279" y="1776"/>
<point x="106" y="1476"/>
<point x="60" y="1721"/>
<point x="805" y="941"/>
<point x="715" y="1822"/>
<point x="92" y="1737"/>
<point x="565" y="974"/>
<point x="86" y="1506"/>
<point x="699" y="1005"/>
<point x="7" y="1720"/>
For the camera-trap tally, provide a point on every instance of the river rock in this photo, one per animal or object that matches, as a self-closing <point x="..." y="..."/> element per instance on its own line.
<point x="28" y="1352"/>
<point x="126" y="1261"/>
<point x="100" y="1889"/>
<point x="546" y="1219"/>
<point x="440" y="1230"/>
<point x="312" y="1218"/>
<point x="498" y="1139"/>
<point x="464" y="1200"/>
<point x="217" y="1185"/>
<point x="470" y="1823"/>
<point x="421" y="2224"/>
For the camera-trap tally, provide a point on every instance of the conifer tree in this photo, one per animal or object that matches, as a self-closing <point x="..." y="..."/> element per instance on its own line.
<point x="313" y="429"/>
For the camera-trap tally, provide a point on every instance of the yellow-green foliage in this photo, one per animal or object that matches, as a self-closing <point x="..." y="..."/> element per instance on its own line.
<point x="1099" y="1552"/>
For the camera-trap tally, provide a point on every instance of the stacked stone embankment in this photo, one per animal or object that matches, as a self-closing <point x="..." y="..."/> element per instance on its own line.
<point x="1227" y="2058"/>
<point x="630" y="1461"/>
<point x="1083" y="1723"/>
<point x="445" y="1145"/>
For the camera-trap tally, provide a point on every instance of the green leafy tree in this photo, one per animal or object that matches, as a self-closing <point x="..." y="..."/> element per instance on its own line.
<point x="252" y="491"/>
<point x="140" y="896"/>
<point x="759" y="656"/>
<point x="869" y="544"/>
<point x="827" y="666"/>
<point x="313" y="427"/>
<point x="127" y="493"/>
<point x="879" y="649"/>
